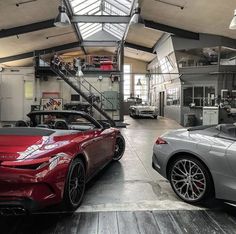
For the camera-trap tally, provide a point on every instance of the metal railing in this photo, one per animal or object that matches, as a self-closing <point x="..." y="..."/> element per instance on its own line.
<point x="94" y="96"/>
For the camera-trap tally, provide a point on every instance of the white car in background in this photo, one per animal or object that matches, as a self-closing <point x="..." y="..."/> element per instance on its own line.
<point x="143" y="110"/>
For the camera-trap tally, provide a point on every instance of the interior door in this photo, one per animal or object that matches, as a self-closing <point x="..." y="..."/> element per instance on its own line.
<point x="12" y="98"/>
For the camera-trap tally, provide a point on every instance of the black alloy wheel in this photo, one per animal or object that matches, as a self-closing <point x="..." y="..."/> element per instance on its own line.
<point x="75" y="185"/>
<point x="119" y="148"/>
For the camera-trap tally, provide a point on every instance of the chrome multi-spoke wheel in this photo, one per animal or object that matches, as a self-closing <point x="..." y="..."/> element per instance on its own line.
<point x="189" y="179"/>
<point x="119" y="148"/>
<point x="75" y="186"/>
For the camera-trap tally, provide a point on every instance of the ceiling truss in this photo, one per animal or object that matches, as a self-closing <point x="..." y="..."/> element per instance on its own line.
<point x="71" y="46"/>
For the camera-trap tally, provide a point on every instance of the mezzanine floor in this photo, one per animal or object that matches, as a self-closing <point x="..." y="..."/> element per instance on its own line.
<point x="130" y="197"/>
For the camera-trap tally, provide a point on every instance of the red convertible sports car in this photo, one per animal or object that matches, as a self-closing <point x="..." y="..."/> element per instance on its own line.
<point x="51" y="161"/>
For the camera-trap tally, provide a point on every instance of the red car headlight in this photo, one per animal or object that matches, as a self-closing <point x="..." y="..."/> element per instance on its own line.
<point x="32" y="163"/>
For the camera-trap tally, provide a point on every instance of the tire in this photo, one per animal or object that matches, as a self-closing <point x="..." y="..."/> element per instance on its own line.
<point x="76" y="175"/>
<point x="192" y="188"/>
<point x="155" y="116"/>
<point x="119" y="148"/>
<point x="131" y="114"/>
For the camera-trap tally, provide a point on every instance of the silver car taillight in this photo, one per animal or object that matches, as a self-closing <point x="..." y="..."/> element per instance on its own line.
<point x="160" y="141"/>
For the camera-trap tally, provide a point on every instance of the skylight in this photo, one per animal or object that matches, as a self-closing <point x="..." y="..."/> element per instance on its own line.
<point x="101" y="7"/>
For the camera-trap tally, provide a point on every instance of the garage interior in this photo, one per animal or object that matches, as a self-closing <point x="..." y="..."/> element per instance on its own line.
<point x="177" y="56"/>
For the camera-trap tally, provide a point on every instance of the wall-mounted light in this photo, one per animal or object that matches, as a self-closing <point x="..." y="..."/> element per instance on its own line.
<point x="62" y="19"/>
<point x="100" y="78"/>
<point x="233" y="22"/>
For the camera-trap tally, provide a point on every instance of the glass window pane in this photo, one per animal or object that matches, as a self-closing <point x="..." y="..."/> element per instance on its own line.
<point x="99" y="7"/>
<point x="127" y="81"/>
<point x="141" y="87"/>
<point x="187" y="96"/>
<point x="210" y="97"/>
<point x="227" y="56"/>
<point x="198" y="96"/>
<point x="197" y="57"/>
<point x="29" y="89"/>
<point x="172" y="96"/>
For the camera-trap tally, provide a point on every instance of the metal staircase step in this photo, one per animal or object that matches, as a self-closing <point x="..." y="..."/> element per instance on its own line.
<point x="73" y="83"/>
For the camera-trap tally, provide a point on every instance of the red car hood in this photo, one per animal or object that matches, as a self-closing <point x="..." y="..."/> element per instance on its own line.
<point x="17" y="143"/>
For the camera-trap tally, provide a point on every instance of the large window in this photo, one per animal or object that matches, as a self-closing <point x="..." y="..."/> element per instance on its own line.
<point x="198" y="57"/>
<point x="127" y="81"/>
<point x="141" y="87"/>
<point x="227" y="56"/>
<point x="172" y="96"/>
<point x="165" y="65"/>
<point x="199" y="96"/>
<point x="188" y="96"/>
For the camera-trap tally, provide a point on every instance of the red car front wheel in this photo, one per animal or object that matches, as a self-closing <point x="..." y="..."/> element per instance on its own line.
<point x="75" y="185"/>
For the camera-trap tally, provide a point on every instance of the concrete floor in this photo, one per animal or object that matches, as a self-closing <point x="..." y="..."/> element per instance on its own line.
<point x="132" y="184"/>
<point x="130" y="197"/>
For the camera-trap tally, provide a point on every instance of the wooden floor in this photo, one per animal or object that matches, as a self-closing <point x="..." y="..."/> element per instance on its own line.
<point x="122" y="222"/>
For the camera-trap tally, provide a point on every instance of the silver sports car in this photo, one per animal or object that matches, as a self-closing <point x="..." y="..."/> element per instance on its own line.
<point x="143" y="111"/>
<point x="199" y="162"/>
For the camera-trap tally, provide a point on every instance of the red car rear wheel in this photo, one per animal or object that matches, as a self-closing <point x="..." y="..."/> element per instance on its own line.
<point x="119" y="148"/>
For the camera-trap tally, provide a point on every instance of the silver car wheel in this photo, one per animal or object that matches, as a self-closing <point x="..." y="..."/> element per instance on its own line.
<point x="188" y="180"/>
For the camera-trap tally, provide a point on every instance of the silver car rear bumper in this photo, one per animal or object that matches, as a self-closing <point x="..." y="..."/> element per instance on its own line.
<point x="157" y="164"/>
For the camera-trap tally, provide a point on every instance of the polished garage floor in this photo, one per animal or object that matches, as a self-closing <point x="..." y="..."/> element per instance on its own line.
<point x="130" y="197"/>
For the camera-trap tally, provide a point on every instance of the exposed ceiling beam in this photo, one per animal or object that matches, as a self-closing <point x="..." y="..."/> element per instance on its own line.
<point x="118" y="5"/>
<point x="138" y="47"/>
<point x="26" y="28"/>
<point x="133" y="5"/>
<point x="75" y="25"/>
<point x="112" y="19"/>
<point x="40" y="52"/>
<point x="71" y="46"/>
<point x="16" y="57"/>
<point x="172" y="30"/>
<point x="102" y="19"/>
<point x="99" y="43"/>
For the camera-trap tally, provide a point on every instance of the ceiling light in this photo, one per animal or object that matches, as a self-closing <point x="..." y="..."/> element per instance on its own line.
<point x="136" y="17"/>
<point x="233" y="22"/>
<point x="62" y="20"/>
